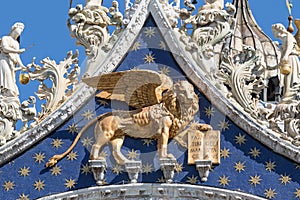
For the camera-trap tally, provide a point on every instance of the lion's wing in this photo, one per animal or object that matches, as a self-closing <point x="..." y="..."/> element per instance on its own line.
<point x="138" y="88"/>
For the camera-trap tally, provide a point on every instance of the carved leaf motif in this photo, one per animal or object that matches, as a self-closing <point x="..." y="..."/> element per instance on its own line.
<point x="60" y="78"/>
<point x="244" y="80"/>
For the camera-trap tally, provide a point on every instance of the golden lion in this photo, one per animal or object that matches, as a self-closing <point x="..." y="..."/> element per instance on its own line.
<point x="174" y="107"/>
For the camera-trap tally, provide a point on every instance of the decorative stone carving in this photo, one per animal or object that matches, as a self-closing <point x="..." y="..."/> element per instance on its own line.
<point x="130" y="9"/>
<point x="61" y="75"/>
<point x="168" y="167"/>
<point x="90" y="26"/>
<point x="171" y="11"/>
<point x="163" y="111"/>
<point x="242" y="77"/>
<point x="98" y="169"/>
<point x="210" y="27"/>
<point x="289" y="63"/>
<point x="133" y="168"/>
<point x="29" y="113"/>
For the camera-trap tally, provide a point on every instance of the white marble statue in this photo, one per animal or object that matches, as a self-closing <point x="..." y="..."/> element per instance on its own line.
<point x="289" y="61"/>
<point x="10" y="61"/>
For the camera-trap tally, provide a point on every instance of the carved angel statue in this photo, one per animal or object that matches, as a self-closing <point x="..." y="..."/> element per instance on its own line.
<point x="9" y="60"/>
<point x="162" y="111"/>
<point x="289" y="61"/>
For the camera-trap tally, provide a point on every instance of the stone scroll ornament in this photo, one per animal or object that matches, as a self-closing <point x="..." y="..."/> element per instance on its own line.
<point x="162" y="111"/>
<point x="89" y="25"/>
<point x="63" y="76"/>
<point x="242" y="78"/>
<point x="211" y="25"/>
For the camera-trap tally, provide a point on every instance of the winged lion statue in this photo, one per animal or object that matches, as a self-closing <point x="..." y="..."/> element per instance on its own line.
<point x="162" y="110"/>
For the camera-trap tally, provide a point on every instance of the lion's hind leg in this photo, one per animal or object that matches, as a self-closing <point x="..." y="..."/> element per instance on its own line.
<point x="102" y="137"/>
<point x="116" y="146"/>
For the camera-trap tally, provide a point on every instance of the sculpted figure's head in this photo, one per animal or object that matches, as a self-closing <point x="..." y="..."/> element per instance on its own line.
<point x="16" y="30"/>
<point x="279" y="30"/>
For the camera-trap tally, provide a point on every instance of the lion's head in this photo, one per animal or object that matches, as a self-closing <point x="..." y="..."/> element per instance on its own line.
<point x="182" y="102"/>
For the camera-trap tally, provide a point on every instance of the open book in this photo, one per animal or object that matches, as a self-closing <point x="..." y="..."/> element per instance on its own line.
<point x="204" y="145"/>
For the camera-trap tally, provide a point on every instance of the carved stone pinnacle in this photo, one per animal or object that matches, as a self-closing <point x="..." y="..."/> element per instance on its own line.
<point x="167" y="165"/>
<point x="203" y="167"/>
<point x="133" y="169"/>
<point x="98" y="168"/>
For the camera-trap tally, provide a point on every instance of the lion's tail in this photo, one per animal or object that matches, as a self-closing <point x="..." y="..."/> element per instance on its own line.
<point x="54" y="159"/>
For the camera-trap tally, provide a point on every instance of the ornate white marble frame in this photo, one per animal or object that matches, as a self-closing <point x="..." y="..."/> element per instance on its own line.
<point x="156" y="191"/>
<point x="109" y="62"/>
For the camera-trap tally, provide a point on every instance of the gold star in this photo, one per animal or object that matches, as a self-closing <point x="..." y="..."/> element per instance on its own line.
<point x="39" y="185"/>
<point x="161" y="180"/>
<point x="88" y="115"/>
<point x="72" y="156"/>
<point x="224" y="125"/>
<point x="178" y="167"/>
<point x="8" y="185"/>
<point x="223" y="180"/>
<point x="102" y="102"/>
<point x="73" y="128"/>
<point x="149" y="32"/>
<point x="285" y="179"/>
<point x="225" y="153"/>
<point x="147" y="168"/>
<point x="39" y="157"/>
<point x="209" y="111"/>
<point x="147" y="142"/>
<point x="164" y="70"/>
<point x="23" y="197"/>
<point x="56" y="170"/>
<point x="103" y="154"/>
<point x="297" y="193"/>
<point x="132" y="154"/>
<point x="85" y="169"/>
<point x="24" y="171"/>
<point x="239" y="166"/>
<point x="56" y="143"/>
<point x="270" y="193"/>
<point x="70" y="183"/>
<point x="86" y="142"/>
<point x="270" y="166"/>
<point x="117" y="169"/>
<point x="136" y="46"/>
<point x="162" y="45"/>
<point x="240" y="139"/>
<point x="149" y="58"/>
<point x="254" y="152"/>
<point x="193" y="179"/>
<point x="255" y="180"/>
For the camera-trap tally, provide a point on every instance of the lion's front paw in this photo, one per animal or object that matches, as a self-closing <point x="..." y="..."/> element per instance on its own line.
<point x="171" y="156"/>
<point x="204" y="127"/>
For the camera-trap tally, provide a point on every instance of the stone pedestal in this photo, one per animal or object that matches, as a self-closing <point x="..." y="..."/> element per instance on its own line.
<point x="98" y="168"/>
<point x="133" y="169"/>
<point x="167" y="165"/>
<point x="203" y="167"/>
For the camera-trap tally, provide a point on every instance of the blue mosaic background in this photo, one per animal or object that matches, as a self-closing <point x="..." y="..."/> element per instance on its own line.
<point x="246" y="164"/>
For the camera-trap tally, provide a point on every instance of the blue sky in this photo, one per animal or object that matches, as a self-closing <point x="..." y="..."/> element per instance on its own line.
<point x="46" y="33"/>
